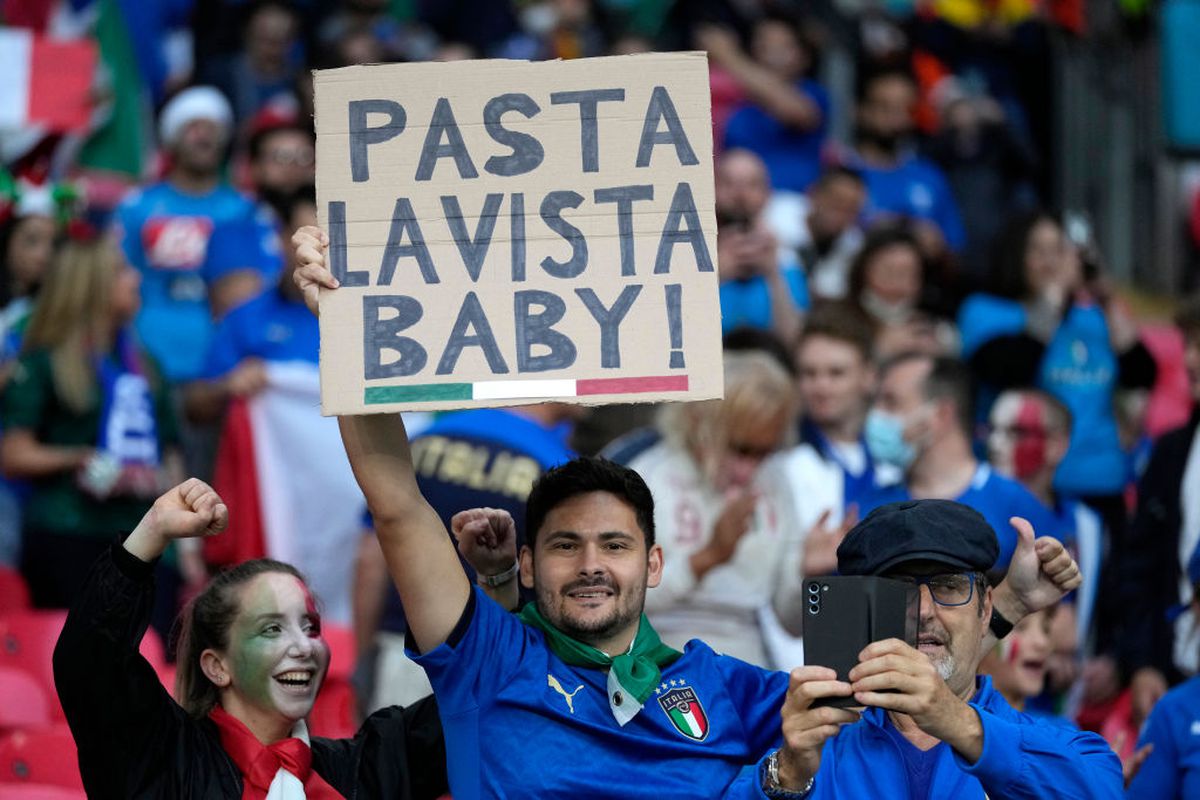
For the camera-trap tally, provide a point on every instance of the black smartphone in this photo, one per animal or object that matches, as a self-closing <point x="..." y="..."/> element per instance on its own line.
<point x="845" y="613"/>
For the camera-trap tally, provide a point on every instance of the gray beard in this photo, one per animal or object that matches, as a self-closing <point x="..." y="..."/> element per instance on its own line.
<point x="945" y="666"/>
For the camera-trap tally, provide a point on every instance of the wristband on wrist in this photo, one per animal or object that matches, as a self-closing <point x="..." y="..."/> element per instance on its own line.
<point x="999" y="625"/>
<point x="500" y="578"/>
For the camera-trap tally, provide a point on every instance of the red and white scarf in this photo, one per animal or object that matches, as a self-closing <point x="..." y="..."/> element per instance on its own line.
<point x="280" y="771"/>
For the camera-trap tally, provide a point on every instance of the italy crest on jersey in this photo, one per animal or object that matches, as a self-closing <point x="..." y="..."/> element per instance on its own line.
<point x="683" y="708"/>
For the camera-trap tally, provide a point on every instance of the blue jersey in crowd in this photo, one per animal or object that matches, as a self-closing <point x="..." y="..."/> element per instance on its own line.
<point x="269" y="326"/>
<point x="747" y="303"/>
<point x="858" y="481"/>
<point x="995" y="497"/>
<point x="487" y="457"/>
<point x="1022" y="757"/>
<point x="792" y="156"/>
<point x="1080" y="369"/>
<point x="1172" y="770"/>
<point x="519" y="722"/>
<point x="165" y="234"/>
<point x="914" y="188"/>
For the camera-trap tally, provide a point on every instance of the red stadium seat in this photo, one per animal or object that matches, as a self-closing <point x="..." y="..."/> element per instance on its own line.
<point x="341" y="650"/>
<point x="14" y="594"/>
<point x="46" y="757"/>
<point x="333" y="714"/>
<point x="27" y="640"/>
<point x="39" y="791"/>
<point x="23" y="702"/>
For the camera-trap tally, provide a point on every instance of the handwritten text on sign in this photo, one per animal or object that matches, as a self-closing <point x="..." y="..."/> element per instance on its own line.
<point x="511" y="232"/>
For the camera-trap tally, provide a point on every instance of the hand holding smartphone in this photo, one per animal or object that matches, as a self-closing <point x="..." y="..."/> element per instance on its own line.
<point x="844" y="614"/>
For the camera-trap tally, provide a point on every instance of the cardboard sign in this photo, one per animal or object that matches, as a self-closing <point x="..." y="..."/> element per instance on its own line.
<point x="511" y="232"/>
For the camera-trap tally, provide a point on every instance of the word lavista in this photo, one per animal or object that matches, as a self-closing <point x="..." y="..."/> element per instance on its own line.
<point x="407" y="239"/>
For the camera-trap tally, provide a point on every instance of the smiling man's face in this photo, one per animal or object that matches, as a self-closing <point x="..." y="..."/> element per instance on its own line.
<point x="589" y="568"/>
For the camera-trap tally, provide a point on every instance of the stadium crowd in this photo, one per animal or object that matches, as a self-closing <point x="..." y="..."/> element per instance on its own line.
<point x="905" y="318"/>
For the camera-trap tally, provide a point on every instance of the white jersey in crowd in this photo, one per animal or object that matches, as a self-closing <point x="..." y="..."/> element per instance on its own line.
<point x="764" y="573"/>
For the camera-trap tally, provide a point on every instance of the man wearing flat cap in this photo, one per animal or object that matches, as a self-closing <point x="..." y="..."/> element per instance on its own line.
<point x="931" y="727"/>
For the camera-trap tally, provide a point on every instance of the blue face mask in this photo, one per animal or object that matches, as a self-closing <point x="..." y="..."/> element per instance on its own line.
<point x="884" y="433"/>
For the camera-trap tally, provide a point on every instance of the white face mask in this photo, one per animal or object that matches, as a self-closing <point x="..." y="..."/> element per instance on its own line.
<point x="885" y="311"/>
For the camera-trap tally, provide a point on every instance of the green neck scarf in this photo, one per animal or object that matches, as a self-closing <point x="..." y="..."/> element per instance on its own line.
<point x="632" y="676"/>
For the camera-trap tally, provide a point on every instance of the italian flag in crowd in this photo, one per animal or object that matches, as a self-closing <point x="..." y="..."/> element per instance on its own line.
<point x="46" y="83"/>
<point x="55" y="56"/>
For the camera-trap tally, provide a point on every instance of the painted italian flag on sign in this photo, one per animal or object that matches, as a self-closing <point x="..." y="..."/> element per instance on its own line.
<point x="46" y="82"/>
<point x="685" y="712"/>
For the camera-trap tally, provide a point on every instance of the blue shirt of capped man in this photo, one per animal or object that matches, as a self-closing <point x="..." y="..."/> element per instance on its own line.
<point x="930" y="723"/>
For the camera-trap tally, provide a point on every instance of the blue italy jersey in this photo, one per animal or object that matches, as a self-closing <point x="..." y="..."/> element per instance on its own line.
<point x="519" y="722"/>
<point x="165" y="234"/>
<point x="1172" y="771"/>
<point x="1080" y="369"/>
<point x="792" y="156"/>
<point x="748" y="302"/>
<point x="270" y="327"/>
<point x="995" y="497"/>
<point x="917" y="189"/>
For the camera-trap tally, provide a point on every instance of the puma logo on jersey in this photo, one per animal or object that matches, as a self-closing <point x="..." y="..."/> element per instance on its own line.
<point x="553" y="683"/>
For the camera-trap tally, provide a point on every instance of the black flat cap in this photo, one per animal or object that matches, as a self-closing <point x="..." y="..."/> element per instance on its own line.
<point x="919" y="530"/>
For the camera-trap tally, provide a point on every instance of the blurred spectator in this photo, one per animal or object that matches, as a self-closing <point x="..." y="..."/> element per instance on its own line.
<point x="484" y="458"/>
<point x="1029" y="432"/>
<point x="786" y="117"/>
<point x="888" y="285"/>
<point x="731" y="526"/>
<point x="757" y="288"/>
<point x="900" y="182"/>
<point x="1159" y="634"/>
<point x="921" y="424"/>
<point x="273" y="326"/>
<point x="166" y="227"/>
<point x="1054" y="323"/>
<point x="555" y="29"/>
<point x="28" y="236"/>
<point x="836" y="381"/>
<point x="821" y="228"/>
<point x="989" y="168"/>
<point x="1171" y="770"/>
<point x="1018" y="662"/>
<point x="87" y="422"/>
<point x="266" y="67"/>
<point x="282" y="157"/>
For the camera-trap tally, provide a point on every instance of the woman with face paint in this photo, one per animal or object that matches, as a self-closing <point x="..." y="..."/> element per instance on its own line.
<point x="251" y="661"/>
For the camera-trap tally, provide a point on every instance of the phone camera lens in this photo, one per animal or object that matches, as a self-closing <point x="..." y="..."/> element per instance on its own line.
<point x="813" y="588"/>
<point x="814" y="609"/>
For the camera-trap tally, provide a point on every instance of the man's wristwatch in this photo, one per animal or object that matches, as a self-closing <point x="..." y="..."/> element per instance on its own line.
<point x="772" y="788"/>
<point x="500" y="578"/>
<point x="999" y="625"/>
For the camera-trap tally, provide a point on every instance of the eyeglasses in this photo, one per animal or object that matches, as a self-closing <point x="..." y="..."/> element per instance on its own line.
<point x="950" y="589"/>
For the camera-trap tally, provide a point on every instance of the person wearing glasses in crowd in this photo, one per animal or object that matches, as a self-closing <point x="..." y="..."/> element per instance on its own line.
<point x="930" y="722"/>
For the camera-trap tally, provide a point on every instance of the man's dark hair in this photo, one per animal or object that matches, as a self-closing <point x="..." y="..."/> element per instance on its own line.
<point x="745" y="338"/>
<point x="258" y="139"/>
<point x="842" y="322"/>
<point x="837" y="172"/>
<point x="948" y="379"/>
<point x="584" y="476"/>
<point x="868" y="81"/>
